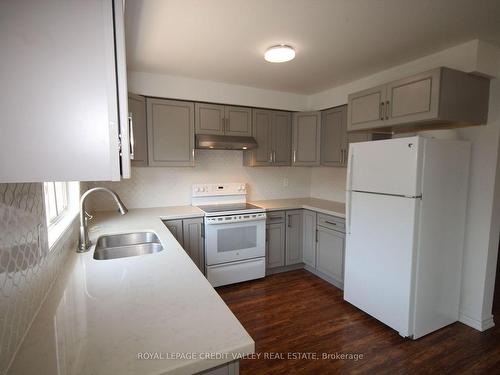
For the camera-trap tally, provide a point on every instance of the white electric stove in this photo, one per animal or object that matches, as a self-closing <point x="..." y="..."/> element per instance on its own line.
<point x="235" y="233"/>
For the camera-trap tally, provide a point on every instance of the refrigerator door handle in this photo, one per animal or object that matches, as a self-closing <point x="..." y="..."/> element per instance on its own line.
<point x="350" y="158"/>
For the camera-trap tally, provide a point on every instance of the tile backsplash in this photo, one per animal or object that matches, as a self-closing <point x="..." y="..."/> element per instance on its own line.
<point x="156" y="187"/>
<point x="27" y="266"/>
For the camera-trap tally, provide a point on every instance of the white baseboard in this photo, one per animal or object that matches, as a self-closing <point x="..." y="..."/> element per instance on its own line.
<point x="480" y="325"/>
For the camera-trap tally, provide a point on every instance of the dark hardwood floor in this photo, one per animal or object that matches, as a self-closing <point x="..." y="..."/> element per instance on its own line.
<point x="298" y="312"/>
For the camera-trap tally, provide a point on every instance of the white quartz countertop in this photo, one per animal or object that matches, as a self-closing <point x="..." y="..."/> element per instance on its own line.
<point x="102" y="315"/>
<point x="314" y="204"/>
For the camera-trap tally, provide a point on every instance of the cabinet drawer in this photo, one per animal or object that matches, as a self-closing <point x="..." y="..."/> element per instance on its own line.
<point x="273" y="217"/>
<point x="331" y="222"/>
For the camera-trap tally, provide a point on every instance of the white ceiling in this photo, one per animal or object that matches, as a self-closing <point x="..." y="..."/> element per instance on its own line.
<point x="336" y="41"/>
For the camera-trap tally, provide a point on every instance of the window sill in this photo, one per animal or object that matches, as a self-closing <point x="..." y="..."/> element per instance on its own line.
<point x="56" y="231"/>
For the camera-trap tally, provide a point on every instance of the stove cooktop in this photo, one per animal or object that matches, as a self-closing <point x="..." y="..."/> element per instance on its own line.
<point x="225" y="208"/>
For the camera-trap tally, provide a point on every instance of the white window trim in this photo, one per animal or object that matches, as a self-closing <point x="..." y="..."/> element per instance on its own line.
<point x="59" y="227"/>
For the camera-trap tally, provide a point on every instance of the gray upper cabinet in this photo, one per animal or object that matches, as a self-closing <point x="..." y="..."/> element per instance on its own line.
<point x="209" y="118"/>
<point x="293" y="237"/>
<point x="238" y="121"/>
<point x="139" y="130"/>
<point x="333" y="137"/>
<point x="365" y="109"/>
<point x="306" y="139"/>
<point x="193" y="241"/>
<point x="309" y="238"/>
<point x="273" y="132"/>
<point x="170" y="133"/>
<point x="218" y="119"/>
<point x="435" y="99"/>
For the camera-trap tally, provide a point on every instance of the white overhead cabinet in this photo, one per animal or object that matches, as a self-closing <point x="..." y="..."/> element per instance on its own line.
<point x="306" y="139"/>
<point x="438" y="98"/>
<point x="64" y="108"/>
<point x="139" y="130"/>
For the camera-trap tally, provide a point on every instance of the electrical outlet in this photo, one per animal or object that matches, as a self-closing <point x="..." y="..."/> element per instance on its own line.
<point x="285" y="182"/>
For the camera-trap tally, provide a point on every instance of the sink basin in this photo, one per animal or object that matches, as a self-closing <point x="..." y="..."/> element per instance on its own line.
<point x="126" y="245"/>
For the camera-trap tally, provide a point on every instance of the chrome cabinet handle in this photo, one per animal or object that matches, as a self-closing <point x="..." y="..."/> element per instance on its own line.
<point x="387" y="110"/>
<point x="381" y="111"/>
<point x="294" y="156"/>
<point x="329" y="222"/>
<point x="131" y="135"/>
<point x="274" y="156"/>
<point x="289" y="221"/>
<point x="270" y="156"/>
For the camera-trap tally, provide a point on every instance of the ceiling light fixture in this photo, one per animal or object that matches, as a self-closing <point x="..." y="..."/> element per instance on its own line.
<point x="279" y="54"/>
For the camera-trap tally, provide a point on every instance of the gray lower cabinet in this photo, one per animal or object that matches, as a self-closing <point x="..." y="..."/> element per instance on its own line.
<point x="219" y="119"/>
<point x="170" y="133"/>
<point x="306" y="139"/>
<point x="330" y="253"/>
<point x="434" y="99"/>
<point x="175" y="227"/>
<point x="139" y="130"/>
<point x="275" y="245"/>
<point x="293" y="237"/>
<point x="309" y="238"/>
<point x="193" y="239"/>
<point x="273" y="132"/>
<point x="190" y="235"/>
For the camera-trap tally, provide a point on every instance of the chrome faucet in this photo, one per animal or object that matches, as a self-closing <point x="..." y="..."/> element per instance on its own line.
<point x="84" y="243"/>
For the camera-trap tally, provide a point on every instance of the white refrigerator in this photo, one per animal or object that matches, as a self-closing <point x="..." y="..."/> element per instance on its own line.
<point x="405" y="219"/>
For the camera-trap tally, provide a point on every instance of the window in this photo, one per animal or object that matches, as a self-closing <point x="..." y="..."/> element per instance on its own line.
<point x="61" y="207"/>
<point x="56" y="201"/>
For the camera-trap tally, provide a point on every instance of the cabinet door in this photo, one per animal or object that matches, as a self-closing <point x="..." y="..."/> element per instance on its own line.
<point x="170" y="133"/>
<point x="413" y="99"/>
<point x="238" y="121"/>
<point x="309" y="238"/>
<point x="175" y="227"/>
<point x="261" y="131"/>
<point x="275" y="245"/>
<point x="293" y="237"/>
<point x="193" y="241"/>
<point x="137" y="111"/>
<point x="366" y="109"/>
<point x="333" y="137"/>
<point x="63" y="76"/>
<point x="282" y="138"/>
<point x="330" y="253"/>
<point x="209" y="118"/>
<point x="306" y="139"/>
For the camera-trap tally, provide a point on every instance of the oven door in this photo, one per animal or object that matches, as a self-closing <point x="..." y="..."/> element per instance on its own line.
<point x="235" y="241"/>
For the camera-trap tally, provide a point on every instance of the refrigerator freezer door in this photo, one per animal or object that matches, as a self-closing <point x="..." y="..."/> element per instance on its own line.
<point x="379" y="257"/>
<point x="388" y="167"/>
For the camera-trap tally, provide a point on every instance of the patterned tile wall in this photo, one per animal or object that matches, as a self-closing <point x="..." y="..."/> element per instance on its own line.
<point x="27" y="266"/>
<point x="157" y="187"/>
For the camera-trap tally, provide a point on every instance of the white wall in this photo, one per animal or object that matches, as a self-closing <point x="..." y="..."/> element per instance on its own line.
<point x="168" y="186"/>
<point x="173" y="87"/>
<point x="481" y="235"/>
<point x="328" y="183"/>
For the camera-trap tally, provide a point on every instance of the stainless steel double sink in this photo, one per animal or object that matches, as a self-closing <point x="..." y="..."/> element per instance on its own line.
<point x="126" y="245"/>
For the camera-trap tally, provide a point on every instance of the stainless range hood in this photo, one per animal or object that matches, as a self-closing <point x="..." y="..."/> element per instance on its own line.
<point x="224" y="142"/>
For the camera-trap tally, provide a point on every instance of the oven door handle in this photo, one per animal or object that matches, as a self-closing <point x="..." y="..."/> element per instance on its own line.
<point x="234" y="222"/>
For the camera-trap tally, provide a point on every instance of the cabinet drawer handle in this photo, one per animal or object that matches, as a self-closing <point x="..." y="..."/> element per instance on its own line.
<point x="381" y="111"/>
<point x="329" y="222"/>
<point x="131" y="135"/>
<point x="387" y="110"/>
<point x="270" y="157"/>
